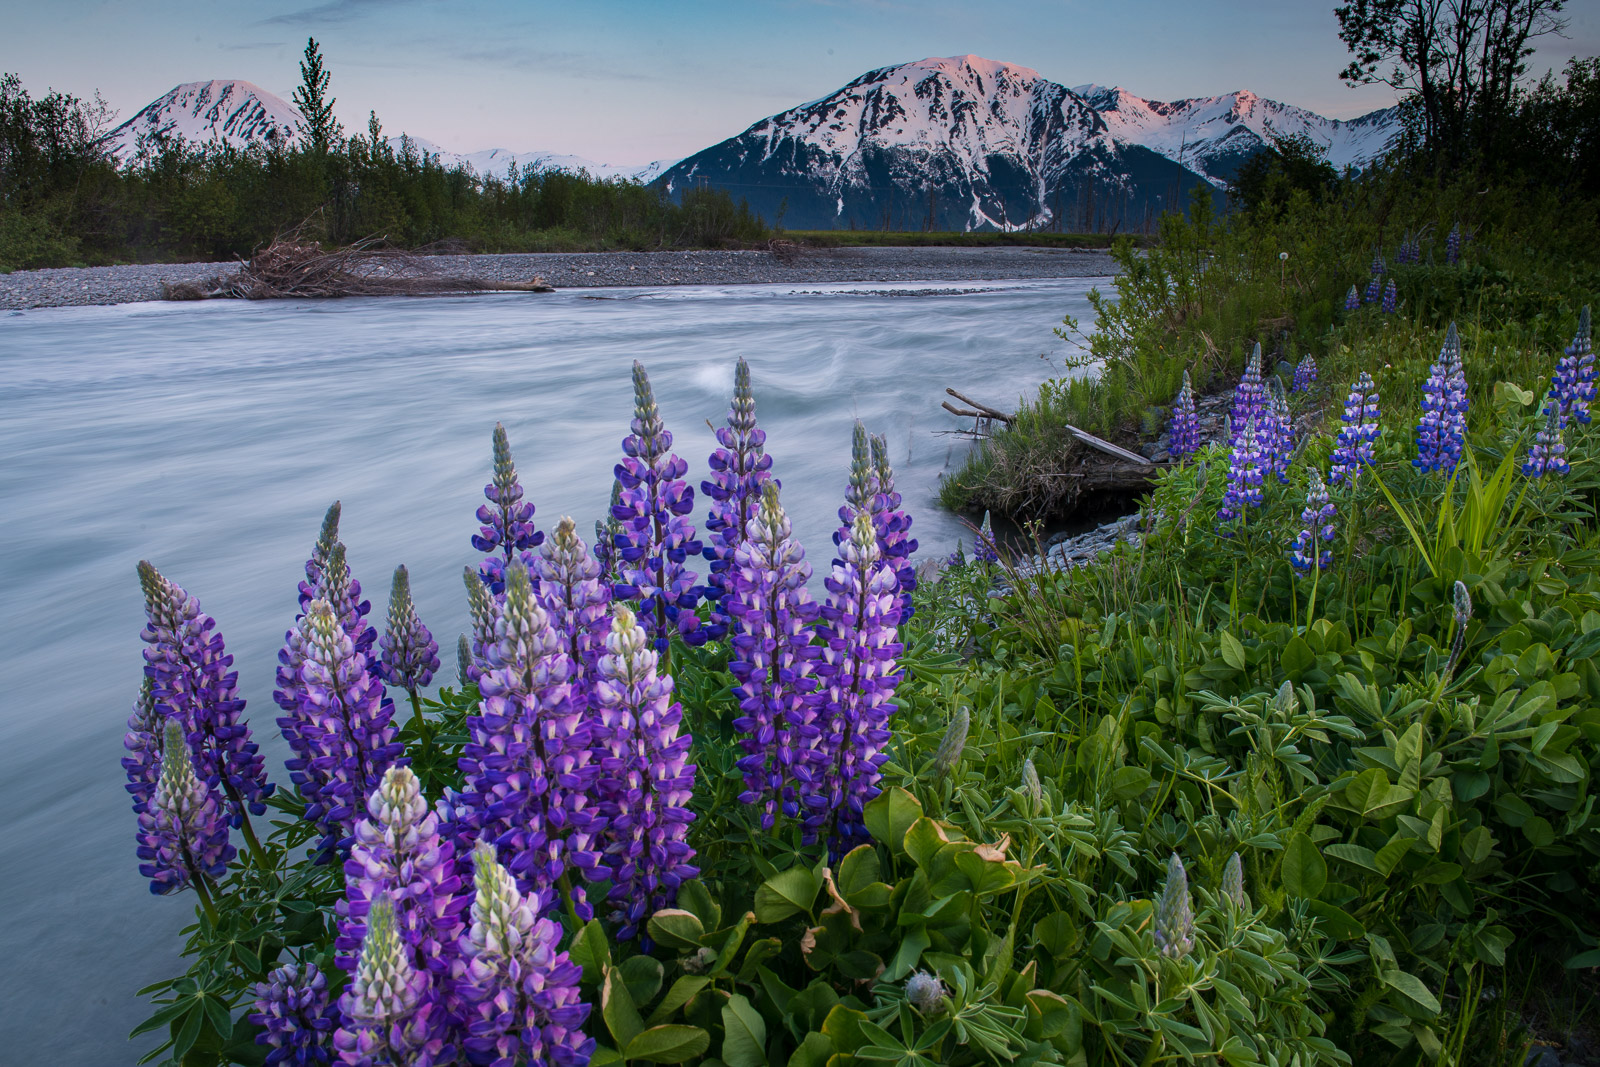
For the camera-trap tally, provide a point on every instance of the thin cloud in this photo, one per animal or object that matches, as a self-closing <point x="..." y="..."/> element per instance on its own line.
<point x="333" y="12"/>
<point x="259" y="46"/>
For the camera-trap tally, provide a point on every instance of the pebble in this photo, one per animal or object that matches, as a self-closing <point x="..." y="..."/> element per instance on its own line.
<point x="72" y="286"/>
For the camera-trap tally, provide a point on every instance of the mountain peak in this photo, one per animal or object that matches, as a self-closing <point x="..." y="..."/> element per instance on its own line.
<point x="232" y="111"/>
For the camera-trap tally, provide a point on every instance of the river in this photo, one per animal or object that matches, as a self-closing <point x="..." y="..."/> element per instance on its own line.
<point x="209" y="439"/>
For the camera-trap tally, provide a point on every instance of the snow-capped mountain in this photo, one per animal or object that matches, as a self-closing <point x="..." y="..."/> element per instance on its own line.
<point x="1213" y="135"/>
<point x="234" y="113"/>
<point x="497" y="162"/>
<point x="957" y="143"/>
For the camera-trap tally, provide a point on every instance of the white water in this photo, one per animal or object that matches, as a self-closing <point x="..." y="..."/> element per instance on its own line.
<point x="210" y="438"/>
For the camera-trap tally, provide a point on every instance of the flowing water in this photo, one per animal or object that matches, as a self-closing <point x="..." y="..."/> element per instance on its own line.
<point x="209" y="439"/>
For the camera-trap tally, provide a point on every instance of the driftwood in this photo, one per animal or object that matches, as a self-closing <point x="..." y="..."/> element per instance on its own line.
<point x="292" y="267"/>
<point x="1107" y="447"/>
<point x="982" y="410"/>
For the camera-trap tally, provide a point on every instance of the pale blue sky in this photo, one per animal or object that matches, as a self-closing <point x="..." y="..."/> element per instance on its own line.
<point x="627" y="82"/>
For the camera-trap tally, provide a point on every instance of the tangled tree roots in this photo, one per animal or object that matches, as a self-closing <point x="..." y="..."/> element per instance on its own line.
<point x="292" y="267"/>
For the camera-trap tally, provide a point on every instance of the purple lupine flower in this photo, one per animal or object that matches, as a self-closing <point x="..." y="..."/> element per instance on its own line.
<point x="327" y="537"/>
<point x="1452" y="245"/>
<point x="1443" y="427"/>
<point x="894" y="529"/>
<point x="484" y="611"/>
<point x="1548" y="453"/>
<point x="861" y="491"/>
<point x="1352" y="299"/>
<point x="527" y="761"/>
<point x="339" y="725"/>
<point x="1374" y="291"/>
<point x="1572" y="385"/>
<point x="507" y="532"/>
<point x="143" y="742"/>
<point x="1184" y="438"/>
<point x="1305" y="374"/>
<point x="518" y="994"/>
<point x="1317" y="529"/>
<point x="296" y="1018"/>
<point x="410" y="655"/>
<point x="1174" y="930"/>
<point x="183" y="831"/>
<point x="1357" y="433"/>
<point x="328" y="576"/>
<point x="773" y="661"/>
<point x="573" y="595"/>
<point x="738" y="470"/>
<point x="605" y="538"/>
<point x="398" y="852"/>
<point x="388" y="1013"/>
<point x="1378" y="268"/>
<point x="985" y="549"/>
<point x="645" y="778"/>
<point x="858" y="677"/>
<point x="191" y="680"/>
<point x="1250" y="398"/>
<point x="1275" y="433"/>
<point x="1244" y="480"/>
<point x="657" y="534"/>
<point x="1391" y="298"/>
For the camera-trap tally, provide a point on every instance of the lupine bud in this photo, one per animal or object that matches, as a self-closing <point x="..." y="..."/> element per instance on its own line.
<point x="772" y="658"/>
<point x="925" y="992"/>
<point x="1032" y="788"/>
<point x="1352" y="299"/>
<point x="507" y="531"/>
<point x="192" y="681"/>
<point x="948" y="754"/>
<point x="645" y="778"/>
<point x="1174" y="930"/>
<point x="895" y="542"/>
<point x="519" y="995"/>
<point x="1233" y="883"/>
<point x="657" y="534"/>
<point x="327" y="537"/>
<point x="1250" y="398"/>
<point x="858" y="674"/>
<point x="463" y="660"/>
<point x="1244" y="480"/>
<point x="1461" y="604"/>
<point x="1357" y="433"/>
<point x="295" y="1016"/>
<point x="1391" y="297"/>
<point x="1184" y="438"/>
<point x="183" y="834"/>
<point x="409" y="655"/>
<point x="1442" y="430"/>
<point x="387" y="1013"/>
<point x="1317" y="529"/>
<point x="1572" y="387"/>
<point x="739" y="468"/>
<point x="1305" y="374"/>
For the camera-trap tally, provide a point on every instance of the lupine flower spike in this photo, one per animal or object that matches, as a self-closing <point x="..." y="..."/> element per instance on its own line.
<point x="1572" y="387"/>
<point x="1352" y="299"/>
<point x="984" y="547"/>
<point x="527" y="761"/>
<point x="1357" y="432"/>
<point x="463" y="661"/>
<point x="409" y="655"/>
<point x="1442" y="429"/>
<point x="861" y="492"/>
<point x="1461" y="614"/>
<point x="859" y="676"/>
<point x="143" y="742"/>
<point x="1184" y="438"/>
<point x="1305" y="374"/>
<point x="387" y="1015"/>
<point x="739" y="468"/>
<point x="507" y="531"/>
<point x="1391" y="297"/>
<point x="573" y="595"/>
<point x="773" y="661"/>
<point x="605" y="537"/>
<point x="1250" y="398"/>
<point x="894" y="530"/>
<point x="645" y="778"/>
<point x="657" y="534"/>
<point x="1317" y="530"/>
<point x="484" y="611"/>
<point x="1174" y="931"/>
<point x="954" y="742"/>
<point x="295" y="1016"/>
<point x="520" y="995"/>
<point x="1233" y="883"/>
<point x="183" y="832"/>
<point x="1275" y="433"/>
<point x="192" y="681"/>
<point x="327" y="537"/>
<point x="1244" y="480"/>
<point x="1452" y="245"/>
<point x="1548" y="453"/>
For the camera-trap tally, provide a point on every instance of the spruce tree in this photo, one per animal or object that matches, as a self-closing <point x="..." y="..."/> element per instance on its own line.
<point x="321" y="130"/>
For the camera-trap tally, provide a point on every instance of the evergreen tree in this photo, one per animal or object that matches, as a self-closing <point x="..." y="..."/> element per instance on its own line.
<point x="321" y="130"/>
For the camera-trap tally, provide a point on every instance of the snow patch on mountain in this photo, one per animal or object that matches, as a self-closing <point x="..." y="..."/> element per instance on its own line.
<point x="1211" y="135"/>
<point x="230" y="112"/>
<point x="498" y="162"/>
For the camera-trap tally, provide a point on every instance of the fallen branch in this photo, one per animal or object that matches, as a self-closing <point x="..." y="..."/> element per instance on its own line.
<point x="986" y="411"/>
<point x="1107" y="447"/>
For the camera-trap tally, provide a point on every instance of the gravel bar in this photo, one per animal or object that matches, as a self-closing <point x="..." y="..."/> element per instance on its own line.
<point x="73" y="286"/>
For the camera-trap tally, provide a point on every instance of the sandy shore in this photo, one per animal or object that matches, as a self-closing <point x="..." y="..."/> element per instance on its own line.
<point x="127" y="284"/>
